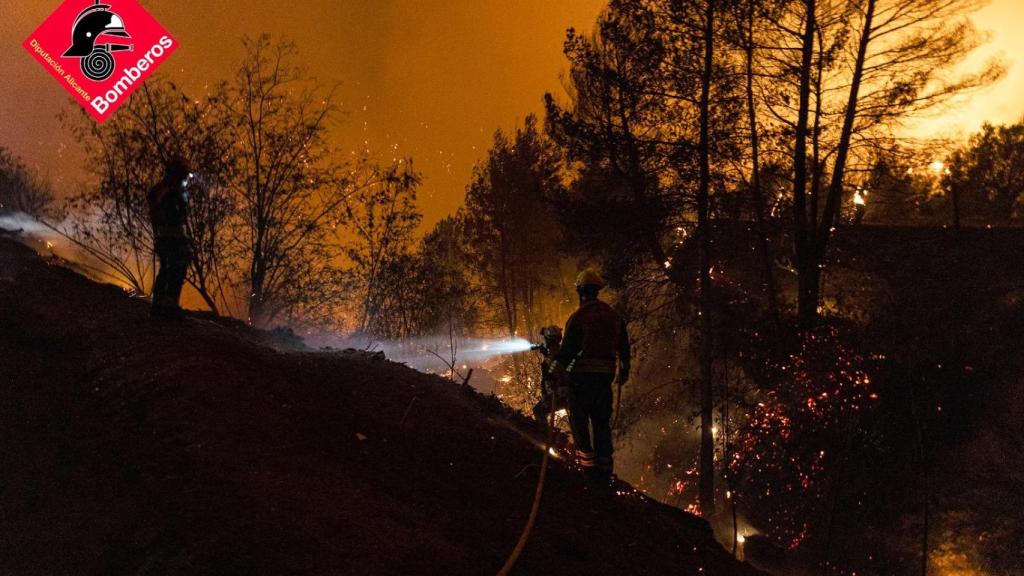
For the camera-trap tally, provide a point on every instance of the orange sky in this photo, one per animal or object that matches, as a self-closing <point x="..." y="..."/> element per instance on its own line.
<point x="436" y="77"/>
<point x="1002" y="103"/>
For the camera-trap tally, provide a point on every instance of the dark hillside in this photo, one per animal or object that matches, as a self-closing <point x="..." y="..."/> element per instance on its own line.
<point x="134" y="447"/>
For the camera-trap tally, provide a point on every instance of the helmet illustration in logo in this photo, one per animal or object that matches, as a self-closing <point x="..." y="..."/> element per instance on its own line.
<point x="95" y="23"/>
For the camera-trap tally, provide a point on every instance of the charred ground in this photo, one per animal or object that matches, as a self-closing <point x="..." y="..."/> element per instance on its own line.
<point x="129" y="446"/>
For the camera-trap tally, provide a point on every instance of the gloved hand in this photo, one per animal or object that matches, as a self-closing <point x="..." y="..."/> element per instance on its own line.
<point x="559" y="381"/>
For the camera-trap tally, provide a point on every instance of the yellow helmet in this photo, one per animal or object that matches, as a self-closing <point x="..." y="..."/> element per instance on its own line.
<point x="590" y="277"/>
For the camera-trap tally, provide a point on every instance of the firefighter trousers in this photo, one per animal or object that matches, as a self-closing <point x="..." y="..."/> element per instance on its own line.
<point x="174" y="256"/>
<point x="590" y="415"/>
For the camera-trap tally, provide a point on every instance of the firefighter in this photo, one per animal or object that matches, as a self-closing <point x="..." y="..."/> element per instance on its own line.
<point x="552" y="337"/>
<point x="168" y="212"/>
<point x="595" y="348"/>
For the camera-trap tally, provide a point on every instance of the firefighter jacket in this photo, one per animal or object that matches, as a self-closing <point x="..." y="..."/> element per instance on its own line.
<point x="595" y="337"/>
<point x="168" y="210"/>
<point x="549" y="382"/>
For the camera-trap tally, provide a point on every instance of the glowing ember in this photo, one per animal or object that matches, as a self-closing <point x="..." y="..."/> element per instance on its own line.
<point x="780" y="458"/>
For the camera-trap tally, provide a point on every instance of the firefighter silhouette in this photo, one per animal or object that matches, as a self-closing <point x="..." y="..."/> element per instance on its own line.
<point x="92" y="24"/>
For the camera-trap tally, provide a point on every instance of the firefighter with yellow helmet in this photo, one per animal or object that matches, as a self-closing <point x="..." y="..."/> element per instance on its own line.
<point x="595" y="353"/>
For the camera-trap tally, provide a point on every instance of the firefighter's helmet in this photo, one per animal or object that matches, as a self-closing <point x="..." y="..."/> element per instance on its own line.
<point x="590" y="277"/>
<point x="177" y="167"/>
<point x="549" y="333"/>
<point x="95" y="22"/>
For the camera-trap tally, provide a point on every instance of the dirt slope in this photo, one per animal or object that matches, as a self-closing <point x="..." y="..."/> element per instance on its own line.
<point x="134" y="447"/>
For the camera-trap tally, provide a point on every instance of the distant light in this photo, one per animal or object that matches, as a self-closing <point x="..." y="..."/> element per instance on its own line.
<point x="740" y="539"/>
<point x="937" y="166"/>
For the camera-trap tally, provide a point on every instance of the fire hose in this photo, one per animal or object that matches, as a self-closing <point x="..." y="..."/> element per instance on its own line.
<point x="535" y="508"/>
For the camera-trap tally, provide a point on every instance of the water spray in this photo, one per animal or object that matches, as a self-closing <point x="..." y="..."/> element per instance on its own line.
<point x="426" y="353"/>
<point x="481" y="350"/>
<point x="21" y="222"/>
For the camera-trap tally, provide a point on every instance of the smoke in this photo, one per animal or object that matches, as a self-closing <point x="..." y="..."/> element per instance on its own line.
<point x="38" y="235"/>
<point x="438" y="354"/>
<point x="21" y="222"/>
<point x="435" y="354"/>
<point x="50" y="240"/>
<point x="429" y="353"/>
<point x="441" y="355"/>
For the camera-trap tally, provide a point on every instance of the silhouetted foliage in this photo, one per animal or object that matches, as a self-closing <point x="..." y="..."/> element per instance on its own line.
<point x="987" y="175"/>
<point x="843" y="77"/>
<point x="380" y="220"/>
<point x="126" y="156"/>
<point x="896" y="193"/>
<point x="268" y="198"/>
<point x="511" y="231"/>
<point x="448" y="301"/>
<point x="20" y="189"/>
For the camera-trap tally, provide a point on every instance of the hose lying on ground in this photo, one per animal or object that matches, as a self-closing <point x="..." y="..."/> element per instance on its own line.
<point x="535" y="509"/>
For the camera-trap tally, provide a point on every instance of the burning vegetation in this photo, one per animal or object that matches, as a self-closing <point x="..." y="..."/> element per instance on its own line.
<point x="826" y="315"/>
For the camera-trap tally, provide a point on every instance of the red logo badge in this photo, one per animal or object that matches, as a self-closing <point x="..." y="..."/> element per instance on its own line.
<point x="100" y="53"/>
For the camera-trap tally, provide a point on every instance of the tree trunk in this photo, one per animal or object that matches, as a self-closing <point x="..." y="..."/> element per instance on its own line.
<point x="808" y="285"/>
<point x="924" y="488"/>
<point x="835" y="192"/>
<point x="823" y="233"/>
<point x="826" y="553"/>
<point x="955" y="197"/>
<point x="755" y="176"/>
<point x="816" y="163"/>
<point x="807" y="309"/>
<point x="256" y="277"/>
<point x="707" y="442"/>
<point x="726" y="452"/>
